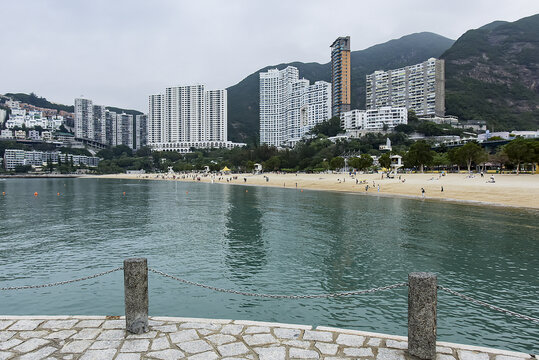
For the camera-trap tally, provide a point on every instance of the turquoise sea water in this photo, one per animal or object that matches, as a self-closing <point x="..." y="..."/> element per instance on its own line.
<point x="276" y="241"/>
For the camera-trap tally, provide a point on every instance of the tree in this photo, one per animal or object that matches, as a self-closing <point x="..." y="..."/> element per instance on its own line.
<point x="518" y="151"/>
<point x="329" y="127"/>
<point x="361" y="163"/>
<point x="273" y="163"/>
<point x="471" y="152"/>
<point x="419" y="154"/>
<point x="385" y="160"/>
<point x="336" y="163"/>
<point x="144" y="151"/>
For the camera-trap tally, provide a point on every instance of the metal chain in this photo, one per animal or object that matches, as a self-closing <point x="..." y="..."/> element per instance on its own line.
<point x="271" y="296"/>
<point x="493" y="307"/>
<point x="60" y="282"/>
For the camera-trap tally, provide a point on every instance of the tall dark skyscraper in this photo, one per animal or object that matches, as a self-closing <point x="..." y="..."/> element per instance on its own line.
<point x="340" y="75"/>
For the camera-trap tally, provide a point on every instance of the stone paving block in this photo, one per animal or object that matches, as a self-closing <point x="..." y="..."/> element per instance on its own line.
<point x="184" y="335"/>
<point x="286" y="333"/>
<point x="166" y="328"/>
<point x="335" y="358"/>
<point x="298" y="343"/>
<point x="505" y="357"/>
<point x="30" y="345"/>
<point x="220" y="339"/>
<point x="39" y="354"/>
<point x="113" y="324"/>
<point x="89" y="324"/>
<point x="205" y="332"/>
<point x="403" y="345"/>
<point x="6" y="335"/>
<point x="76" y="346"/>
<point x="350" y="340"/>
<point x="107" y="354"/>
<point x="449" y="357"/>
<point x="4" y="355"/>
<point x="232" y="329"/>
<point x="59" y="324"/>
<point x="471" y="355"/>
<point x="358" y="352"/>
<point x="87" y="334"/>
<point x="390" y="354"/>
<point x="196" y="325"/>
<point x="6" y="345"/>
<point x="25" y="325"/>
<point x="303" y="354"/>
<point x="209" y="355"/>
<point x="327" y="349"/>
<point x="317" y="335"/>
<point x="233" y="349"/>
<point x="259" y="339"/>
<point x="160" y="343"/>
<point x="33" y="334"/>
<point x="257" y="329"/>
<point x="61" y="335"/>
<point x="128" y="356"/>
<point x="148" y="335"/>
<point x="169" y="354"/>
<point x="135" y="345"/>
<point x="194" y="347"/>
<point x="271" y="353"/>
<point x="5" y="323"/>
<point x="105" y="344"/>
<point x="444" y="350"/>
<point x="112" y="335"/>
<point x="374" y="342"/>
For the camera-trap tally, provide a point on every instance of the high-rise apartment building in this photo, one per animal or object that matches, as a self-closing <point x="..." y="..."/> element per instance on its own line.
<point x="340" y="76"/>
<point x="124" y="130"/>
<point x="84" y="119"/>
<point x="111" y="128"/>
<point x="141" y="131"/>
<point x="100" y="125"/>
<point x="290" y="107"/>
<point x="186" y="117"/>
<point x="419" y="87"/>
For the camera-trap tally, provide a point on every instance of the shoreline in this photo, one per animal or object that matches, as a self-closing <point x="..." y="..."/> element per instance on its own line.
<point x="511" y="191"/>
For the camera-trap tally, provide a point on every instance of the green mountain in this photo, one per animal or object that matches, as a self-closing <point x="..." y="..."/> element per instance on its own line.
<point x="492" y="73"/>
<point x="243" y="98"/>
<point x="38" y="101"/>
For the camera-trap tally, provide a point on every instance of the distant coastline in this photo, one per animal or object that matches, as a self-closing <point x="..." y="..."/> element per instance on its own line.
<point x="44" y="176"/>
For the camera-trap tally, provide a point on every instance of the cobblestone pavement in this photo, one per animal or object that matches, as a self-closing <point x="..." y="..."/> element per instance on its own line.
<point x="103" y="338"/>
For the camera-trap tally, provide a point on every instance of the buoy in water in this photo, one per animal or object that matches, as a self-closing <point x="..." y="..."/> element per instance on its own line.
<point x="58" y="194"/>
<point x="246" y="190"/>
<point x="3" y="193"/>
<point x="124" y="193"/>
<point x="35" y="194"/>
<point x="301" y="190"/>
<point x="187" y="192"/>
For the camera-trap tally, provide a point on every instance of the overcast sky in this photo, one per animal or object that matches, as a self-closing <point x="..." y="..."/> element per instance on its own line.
<point x="118" y="52"/>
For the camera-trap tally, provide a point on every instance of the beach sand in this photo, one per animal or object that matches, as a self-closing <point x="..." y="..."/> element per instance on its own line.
<point x="508" y="190"/>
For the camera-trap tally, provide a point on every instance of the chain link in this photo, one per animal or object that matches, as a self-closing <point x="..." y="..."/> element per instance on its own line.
<point x="271" y="296"/>
<point x="493" y="307"/>
<point x="60" y="282"/>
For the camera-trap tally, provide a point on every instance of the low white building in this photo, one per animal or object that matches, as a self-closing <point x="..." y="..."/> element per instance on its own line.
<point x="6" y="134"/>
<point x="186" y="146"/>
<point x="374" y="120"/>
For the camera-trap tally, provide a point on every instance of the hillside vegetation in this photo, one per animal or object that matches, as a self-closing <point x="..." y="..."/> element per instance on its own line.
<point x="492" y="73"/>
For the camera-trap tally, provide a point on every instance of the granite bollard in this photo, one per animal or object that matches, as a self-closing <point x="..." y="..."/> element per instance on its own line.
<point x="422" y="297"/>
<point x="136" y="295"/>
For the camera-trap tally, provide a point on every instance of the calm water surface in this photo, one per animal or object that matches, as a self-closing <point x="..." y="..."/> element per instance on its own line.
<point x="278" y="241"/>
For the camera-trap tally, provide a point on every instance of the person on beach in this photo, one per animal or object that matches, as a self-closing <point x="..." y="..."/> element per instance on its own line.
<point x="367" y="188"/>
<point x="442" y="189"/>
<point x="422" y="192"/>
<point x="378" y="187"/>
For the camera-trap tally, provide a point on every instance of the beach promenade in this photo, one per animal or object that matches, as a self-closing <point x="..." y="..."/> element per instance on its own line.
<point x="105" y="338"/>
<point x="508" y="190"/>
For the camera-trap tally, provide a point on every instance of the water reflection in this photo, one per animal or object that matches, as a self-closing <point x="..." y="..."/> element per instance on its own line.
<point x="246" y="250"/>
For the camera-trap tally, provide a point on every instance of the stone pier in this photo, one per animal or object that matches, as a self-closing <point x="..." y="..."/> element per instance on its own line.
<point x="105" y="338"/>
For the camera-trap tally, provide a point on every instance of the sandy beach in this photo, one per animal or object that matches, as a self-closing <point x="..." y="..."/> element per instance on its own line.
<point x="508" y="190"/>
